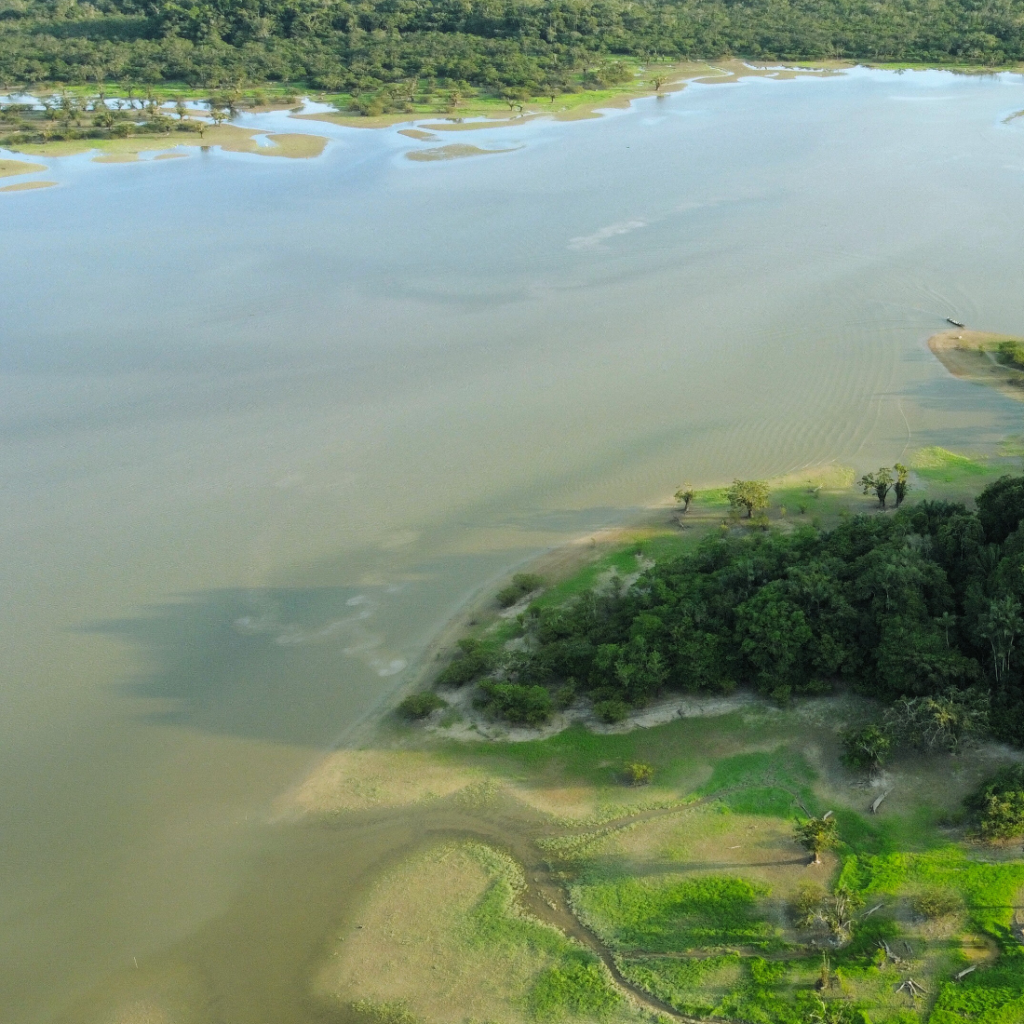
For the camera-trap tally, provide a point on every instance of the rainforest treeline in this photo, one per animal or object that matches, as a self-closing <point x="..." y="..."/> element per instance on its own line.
<point x="922" y="607"/>
<point x="536" y="47"/>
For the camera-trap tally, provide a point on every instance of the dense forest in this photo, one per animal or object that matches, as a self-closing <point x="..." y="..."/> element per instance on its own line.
<point x="920" y="607"/>
<point x="359" y="47"/>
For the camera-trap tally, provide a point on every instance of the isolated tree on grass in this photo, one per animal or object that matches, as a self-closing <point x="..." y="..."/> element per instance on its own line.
<point x="818" y="834"/>
<point x="749" y="494"/>
<point x="880" y="482"/>
<point x="685" y="495"/>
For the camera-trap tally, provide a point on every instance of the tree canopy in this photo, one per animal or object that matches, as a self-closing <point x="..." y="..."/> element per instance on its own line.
<point x="361" y="46"/>
<point x="921" y="607"/>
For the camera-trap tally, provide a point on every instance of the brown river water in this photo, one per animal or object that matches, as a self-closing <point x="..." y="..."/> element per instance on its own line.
<point x="267" y="425"/>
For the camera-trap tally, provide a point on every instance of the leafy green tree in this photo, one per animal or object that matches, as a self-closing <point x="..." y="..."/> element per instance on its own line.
<point x="752" y="495"/>
<point x="775" y="639"/>
<point x="473" y="661"/>
<point x="902" y="482"/>
<point x="685" y="495"/>
<point x="879" y="482"/>
<point x="999" y="803"/>
<point x="517" y="703"/>
<point x="1001" y="508"/>
<point x="866" y="748"/>
<point x="639" y="774"/>
<point x="817" y="835"/>
<point x="1001" y="625"/>
<point x="420" y="705"/>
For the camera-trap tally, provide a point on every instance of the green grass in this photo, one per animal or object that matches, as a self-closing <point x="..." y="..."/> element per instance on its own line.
<point x="665" y="916"/>
<point x="993" y="996"/>
<point x="575" y="985"/>
<point x="688" y="985"/>
<point x="578" y="755"/>
<point x="989" y="891"/>
<point x="772" y="783"/>
<point x="944" y="466"/>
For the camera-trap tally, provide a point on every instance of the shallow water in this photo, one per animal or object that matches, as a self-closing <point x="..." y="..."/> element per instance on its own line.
<point x="267" y="423"/>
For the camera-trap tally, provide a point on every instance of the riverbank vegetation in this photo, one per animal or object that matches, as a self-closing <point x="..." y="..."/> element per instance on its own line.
<point x="697" y="895"/>
<point x="919" y="607"/>
<point x="382" y="56"/>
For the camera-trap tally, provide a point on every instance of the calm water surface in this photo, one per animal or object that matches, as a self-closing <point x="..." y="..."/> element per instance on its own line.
<point x="267" y="423"/>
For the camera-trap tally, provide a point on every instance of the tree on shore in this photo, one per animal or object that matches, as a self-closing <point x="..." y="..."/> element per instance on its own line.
<point x="749" y="494"/>
<point x="818" y="834"/>
<point x="880" y="482"/>
<point x="685" y="494"/>
<point x="901" y="484"/>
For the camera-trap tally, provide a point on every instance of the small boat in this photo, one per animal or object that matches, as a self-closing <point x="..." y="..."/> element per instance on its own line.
<point x="955" y="323"/>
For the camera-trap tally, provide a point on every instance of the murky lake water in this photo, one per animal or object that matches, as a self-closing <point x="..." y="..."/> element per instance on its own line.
<point x="267" y="423"/>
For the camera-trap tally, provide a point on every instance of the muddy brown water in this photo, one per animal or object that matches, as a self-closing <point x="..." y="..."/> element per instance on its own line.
<point x="266" y="425"/>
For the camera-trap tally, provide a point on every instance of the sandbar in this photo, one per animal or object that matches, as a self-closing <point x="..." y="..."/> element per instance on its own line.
<point x="454" y="152"/>
<point x="11" y="168"/>
<point x="967" y="354"/>
<point x="26" y="186"/>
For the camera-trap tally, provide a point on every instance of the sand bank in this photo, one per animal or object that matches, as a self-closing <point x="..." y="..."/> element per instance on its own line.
<point x="969" y="355"/>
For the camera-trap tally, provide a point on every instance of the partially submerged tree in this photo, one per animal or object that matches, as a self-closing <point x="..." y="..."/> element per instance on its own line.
<point x="817" y="835"/>
<point x="879" y="482"/>
<point x="749" y="494"/>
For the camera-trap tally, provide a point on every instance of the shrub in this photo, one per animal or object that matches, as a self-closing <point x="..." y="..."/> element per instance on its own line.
<point x="639" y="774"/>
<point x="474" y="661"/>
<point x="1000" y="804"/>
<point x="935" y="902"/>
<point x="611" y="711"/>
<point x="523" y="583"/>
<point x="805" y="904"/>
<point x="517" y="703"/>
<point x="865" y="748"/>
<point x="419" y="705"/>
<point x="1011" y="353"/>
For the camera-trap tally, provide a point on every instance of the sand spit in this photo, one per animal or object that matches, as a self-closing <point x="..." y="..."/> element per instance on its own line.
<point x="27" y="186"/>
<point x="11" y="168"/>
<point x="968" y="355"/>
<point x="228" y="137"/>
<point x="358" y="780"/>
<point x="455" y="152"/>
